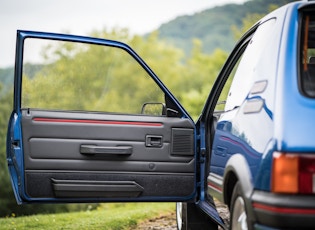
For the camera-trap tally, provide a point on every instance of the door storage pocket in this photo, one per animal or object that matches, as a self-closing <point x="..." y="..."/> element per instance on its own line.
<point x="85" y="188"/>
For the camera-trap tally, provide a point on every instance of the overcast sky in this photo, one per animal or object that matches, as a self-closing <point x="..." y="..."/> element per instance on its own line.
<point x="82" y="16"/>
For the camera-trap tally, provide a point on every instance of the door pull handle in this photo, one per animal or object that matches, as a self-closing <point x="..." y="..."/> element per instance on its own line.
<point x="105" y="150"/>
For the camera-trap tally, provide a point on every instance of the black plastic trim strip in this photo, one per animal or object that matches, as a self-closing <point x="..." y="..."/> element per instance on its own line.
<point x="84" y="188"/>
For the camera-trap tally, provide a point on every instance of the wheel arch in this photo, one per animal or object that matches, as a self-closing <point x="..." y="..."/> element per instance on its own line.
<point x="236" y="169"/>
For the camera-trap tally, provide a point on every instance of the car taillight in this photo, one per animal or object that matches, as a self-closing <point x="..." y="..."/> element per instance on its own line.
<point x="293" y="173"/>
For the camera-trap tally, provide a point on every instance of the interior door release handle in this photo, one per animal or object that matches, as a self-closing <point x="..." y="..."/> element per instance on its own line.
<point x="104" y="150"/>
<point x="153" y="141"/>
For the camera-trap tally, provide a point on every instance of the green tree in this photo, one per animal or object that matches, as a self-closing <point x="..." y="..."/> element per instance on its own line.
<point x="89" y="77"/>
<point x="189" y="78"/>
<point x="119" y="84"/>
<point x="6" y="194"/>
<point x="201" y="70"/>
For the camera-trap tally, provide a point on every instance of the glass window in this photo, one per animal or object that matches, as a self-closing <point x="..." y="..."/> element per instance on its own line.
<point x="220" y="106"/>
<point x="241" y="78"/>
<point x="59" y="75"/>
<point x="232" y="120"/>
<point x="245" y="72"/>
<point x="307" y="55"/>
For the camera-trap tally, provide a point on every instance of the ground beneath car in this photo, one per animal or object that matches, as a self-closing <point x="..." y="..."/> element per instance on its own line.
<point x="163" y="222"/>
<point x="168" y="221"/>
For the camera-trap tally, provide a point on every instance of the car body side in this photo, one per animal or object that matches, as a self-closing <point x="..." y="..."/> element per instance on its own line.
<point x="273" y="119"/>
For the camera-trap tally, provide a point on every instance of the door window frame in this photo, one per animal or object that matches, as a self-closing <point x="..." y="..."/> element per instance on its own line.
<point x="22" y="35"/>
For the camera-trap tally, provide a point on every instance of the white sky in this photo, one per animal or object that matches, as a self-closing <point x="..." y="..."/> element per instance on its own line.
<point x="82" y="16"/>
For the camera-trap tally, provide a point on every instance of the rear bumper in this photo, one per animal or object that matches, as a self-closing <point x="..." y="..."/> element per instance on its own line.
<point x="283" y="211"/>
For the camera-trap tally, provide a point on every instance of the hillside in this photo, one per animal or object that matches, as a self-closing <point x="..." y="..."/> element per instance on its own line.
<point x="213" y="26"/>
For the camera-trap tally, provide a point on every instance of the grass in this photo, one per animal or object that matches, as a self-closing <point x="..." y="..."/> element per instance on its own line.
<point x="107" y="216"/>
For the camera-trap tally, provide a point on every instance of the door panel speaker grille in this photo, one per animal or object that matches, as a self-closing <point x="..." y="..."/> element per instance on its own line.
<point x="182" y="142"/>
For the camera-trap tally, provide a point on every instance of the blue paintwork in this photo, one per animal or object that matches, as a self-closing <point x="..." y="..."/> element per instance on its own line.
<point x="14" y="156"/>
<point x="284" y="123"/>
<point x="291" y="104"/>
<point x="251" y="134"/>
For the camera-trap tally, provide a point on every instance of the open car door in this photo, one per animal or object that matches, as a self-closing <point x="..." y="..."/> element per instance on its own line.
<point x="91" y="123"/>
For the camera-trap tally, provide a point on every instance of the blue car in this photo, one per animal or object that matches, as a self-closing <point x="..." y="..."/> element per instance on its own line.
<point x="80" y="131"/>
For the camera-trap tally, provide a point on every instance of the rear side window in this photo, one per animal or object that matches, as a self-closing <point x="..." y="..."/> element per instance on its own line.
<point x="307" y="56"/>
<point x="247" y="69"/>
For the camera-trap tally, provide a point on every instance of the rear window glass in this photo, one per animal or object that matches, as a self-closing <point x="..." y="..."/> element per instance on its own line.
<point x="308" y="55"/>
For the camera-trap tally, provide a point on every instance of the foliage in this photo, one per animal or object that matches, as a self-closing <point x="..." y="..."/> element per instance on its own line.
<point x="94" y="78"/>
<point x="107" y="216"/>
<point x="247" y="22"/>
<point x="6" y="194"/>
<point x="90" y="77"/>
<point x="200" y="74"/>
<point x="6" y="79"/>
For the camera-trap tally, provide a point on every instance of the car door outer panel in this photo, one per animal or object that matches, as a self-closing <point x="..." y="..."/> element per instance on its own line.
<point x="55" y="165"/>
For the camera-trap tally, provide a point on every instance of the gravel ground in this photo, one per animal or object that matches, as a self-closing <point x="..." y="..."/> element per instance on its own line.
<point x="163" y="222"/>
<point x="168" y="221"/>
<point x="223" y="212"/>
